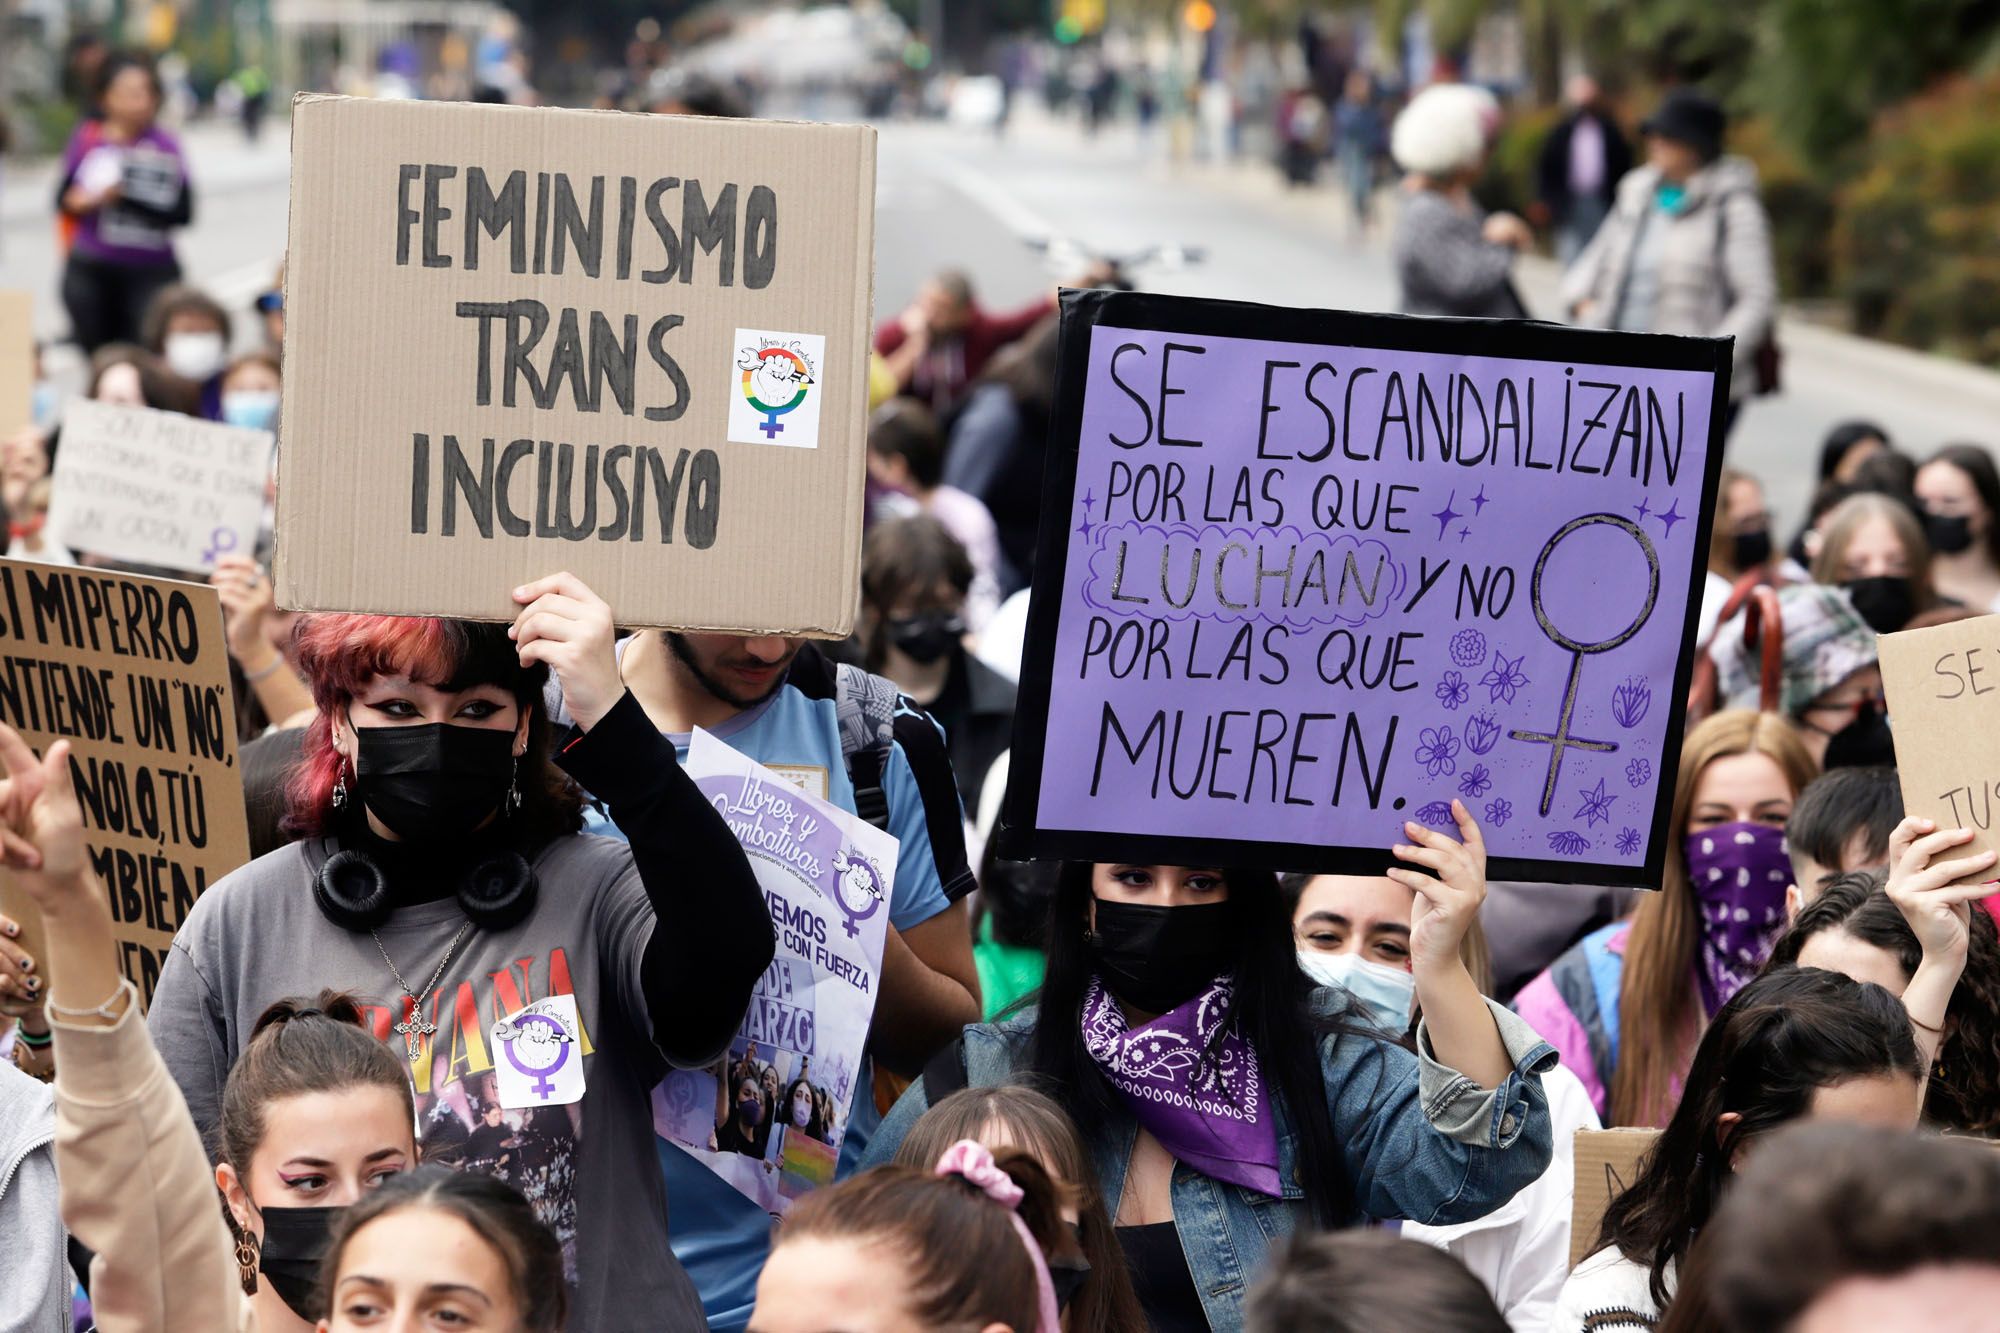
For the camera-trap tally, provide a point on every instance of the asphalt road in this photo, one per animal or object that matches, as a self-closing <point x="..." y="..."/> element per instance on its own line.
<point x="950" y="198"/>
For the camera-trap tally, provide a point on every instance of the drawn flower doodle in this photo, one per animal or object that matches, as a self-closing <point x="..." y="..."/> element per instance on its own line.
<point x="1565" y="843"/>
<point x="1476" y="782"/>
<point x="1630" y="701"/>
<point x="1639" y="772"/>
<point x="1438" y="752"/>
<point x="1628" y="841"/>
<point x="1468" y="648"/>
<point x="1437" y="813"/>
<point x="1498" y="812"/>
<point x="1452" y="691"/>
<point x="1596" y="807"/>
<point x="1481" y="733"/>
<point x="1503" y="678"/>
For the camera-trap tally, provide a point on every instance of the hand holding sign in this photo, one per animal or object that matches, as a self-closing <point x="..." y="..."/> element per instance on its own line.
<point x="1939" y="909"/>
<point x="569" y="627"/>
<point x="1448" y="903"/>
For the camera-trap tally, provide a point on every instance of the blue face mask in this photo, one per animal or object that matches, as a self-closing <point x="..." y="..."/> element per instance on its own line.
<point x="47" y="401"/>
<point x="1388" y="994"/>
<point x="1670" y="196"/>
<point x="255" y="408"/>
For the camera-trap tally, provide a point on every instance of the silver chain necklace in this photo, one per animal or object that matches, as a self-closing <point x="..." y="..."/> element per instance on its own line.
<point x="414" y="1028"/>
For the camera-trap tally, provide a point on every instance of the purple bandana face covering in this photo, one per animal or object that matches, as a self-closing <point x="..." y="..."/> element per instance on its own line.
<point x="1204" y="1099"/>
<point x="1739" y="873"/>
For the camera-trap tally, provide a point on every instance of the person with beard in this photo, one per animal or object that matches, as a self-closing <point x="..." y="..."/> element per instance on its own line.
<point x="1830" y="686"/>
<point x="1626" y="1003"/>
<point x="1875" y="550"/>
<point x="854" y="740"/>
<point x="915" y="578"/>
<point x="442" y="867"/>
<point x="1959" y="490"/>
<point x="1227" y="1101"/>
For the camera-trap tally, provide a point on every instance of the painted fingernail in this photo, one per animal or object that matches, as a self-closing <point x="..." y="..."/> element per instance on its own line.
<point x="27" y="964"/>
<point x="34" y="984"/>
<point x="13" y="929"/>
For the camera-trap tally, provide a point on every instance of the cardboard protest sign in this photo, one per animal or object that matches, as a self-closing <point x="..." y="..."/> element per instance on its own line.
<point x="133" y="672"/>
<point x="523" y="340"/>
<point x="17" y="361"/>
<point x="826" y="876"/>
<point x="157" y="488"/>
<point x="1304" y="576"/>
<point x="1607" y="1163"/>
<point x="1943" y="689"/>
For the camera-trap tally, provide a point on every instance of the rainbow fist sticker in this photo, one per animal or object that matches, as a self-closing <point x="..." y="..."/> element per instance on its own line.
<point x="776" y="388"/>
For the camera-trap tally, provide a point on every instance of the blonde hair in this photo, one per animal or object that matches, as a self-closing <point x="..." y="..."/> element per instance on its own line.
<point x="1659" y="1014"/>
<point x="1849" y="516"/>
<point x="1444" y="130"/>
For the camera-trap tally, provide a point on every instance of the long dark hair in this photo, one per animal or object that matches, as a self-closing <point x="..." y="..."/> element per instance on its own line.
<point x="1779" y="1040"/>
<point x="1273" y="1012"/>
<point x="497" y="1214"/>
<point x="1963" y="1093"/>
<point x="1977" y="464"/>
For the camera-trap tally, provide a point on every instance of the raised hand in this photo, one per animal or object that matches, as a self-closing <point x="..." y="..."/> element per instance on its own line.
<point x="566" y="626"/>
<point x="1446" y="905"/>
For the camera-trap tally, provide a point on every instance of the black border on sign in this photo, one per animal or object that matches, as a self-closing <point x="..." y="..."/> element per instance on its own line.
<point x="1082" y="312"/>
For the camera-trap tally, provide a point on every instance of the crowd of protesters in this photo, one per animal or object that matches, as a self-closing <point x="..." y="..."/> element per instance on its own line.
<point x="1374" y="1081"/>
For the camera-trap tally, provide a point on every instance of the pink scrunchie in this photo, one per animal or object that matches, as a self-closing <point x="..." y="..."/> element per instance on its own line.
<point x="970" y="1161"/>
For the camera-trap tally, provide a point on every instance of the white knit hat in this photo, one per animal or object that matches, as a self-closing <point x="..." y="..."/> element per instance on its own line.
<point x="1444" y="129"/>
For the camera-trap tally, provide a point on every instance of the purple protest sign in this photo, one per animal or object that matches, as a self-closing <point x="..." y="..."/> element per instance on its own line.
<point x="1305" y="575"/>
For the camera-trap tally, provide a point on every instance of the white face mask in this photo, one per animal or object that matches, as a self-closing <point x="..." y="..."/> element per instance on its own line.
<point x="802" y="1113"/>
<point x="1388" y="994"/>
<point x="195" y="356"/>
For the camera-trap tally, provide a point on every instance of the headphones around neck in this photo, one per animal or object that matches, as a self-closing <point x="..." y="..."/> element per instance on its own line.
<point x="497" y="891"/>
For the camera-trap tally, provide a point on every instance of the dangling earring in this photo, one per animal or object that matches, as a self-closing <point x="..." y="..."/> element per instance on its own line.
<point x="340" y="788"/>
<point x="246" y="1261"/>
<point x="514" y="789"/>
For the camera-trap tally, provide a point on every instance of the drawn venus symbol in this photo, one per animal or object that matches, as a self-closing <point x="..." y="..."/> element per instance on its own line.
<point x="1561" y="738"/>
<point x="536" y="1055"/>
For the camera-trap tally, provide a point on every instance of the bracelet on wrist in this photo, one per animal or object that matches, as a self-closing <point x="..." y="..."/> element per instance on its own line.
<point x="33" y="1041"/>
<point x="113" y="1008"/>
<point x="277" y="660"/>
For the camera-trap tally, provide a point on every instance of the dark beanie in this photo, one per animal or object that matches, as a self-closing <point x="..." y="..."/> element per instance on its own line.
<point x="1685" y="116"/>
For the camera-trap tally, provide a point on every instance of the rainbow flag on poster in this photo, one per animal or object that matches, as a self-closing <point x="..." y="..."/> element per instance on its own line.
<point x="805" y="1164"/>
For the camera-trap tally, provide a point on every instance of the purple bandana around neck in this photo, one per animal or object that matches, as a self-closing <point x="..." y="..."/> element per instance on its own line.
<point x="1738" y="873"/>
<point x="1204" y="1099"/>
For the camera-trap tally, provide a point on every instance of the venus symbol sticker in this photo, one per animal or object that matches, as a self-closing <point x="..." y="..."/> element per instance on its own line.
<point x="775" y="388"/>
<point x="537" y="1055"/>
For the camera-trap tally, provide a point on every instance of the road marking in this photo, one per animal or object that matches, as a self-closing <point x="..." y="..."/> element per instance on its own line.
<point x="988" y="194"/>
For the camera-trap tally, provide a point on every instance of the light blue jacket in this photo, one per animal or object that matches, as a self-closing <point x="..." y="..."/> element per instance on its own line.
<point x="1417" y="1141"/>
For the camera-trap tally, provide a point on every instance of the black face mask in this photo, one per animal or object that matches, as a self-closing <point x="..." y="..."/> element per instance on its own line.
<point x="433" y="781"/>
<point x="1158" y="958"/>
<point x="1750" y="549"/>
<point x="295" y="1241"/>
<point x="1863" y="743"/>
<point x="1885" y="603"/>
<point x="1949" y="533"/>
<point x="928" y="635"/>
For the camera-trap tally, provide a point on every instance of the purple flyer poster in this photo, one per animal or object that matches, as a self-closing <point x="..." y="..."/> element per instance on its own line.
<point x="1304" y="575"/>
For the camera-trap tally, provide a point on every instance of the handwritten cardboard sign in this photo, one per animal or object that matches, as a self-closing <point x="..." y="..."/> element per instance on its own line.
<point x="17" y="361"/>
<point x="1943" y="690"/>
<point x="157" y="488"/>
<point x="1607" y="1164"/>
<point x="633" y="347"/>
<point x="133" y="672"/>
<point x="1306" y="575"/>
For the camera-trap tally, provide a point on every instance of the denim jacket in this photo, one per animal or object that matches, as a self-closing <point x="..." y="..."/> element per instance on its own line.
<point x="1418" y="1141"/>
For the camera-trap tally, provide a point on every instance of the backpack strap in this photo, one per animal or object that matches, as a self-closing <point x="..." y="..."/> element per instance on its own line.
<point x="865" y="711"/>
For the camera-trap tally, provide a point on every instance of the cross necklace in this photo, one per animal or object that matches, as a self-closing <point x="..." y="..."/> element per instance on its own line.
<point x="414" y="1028"/>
